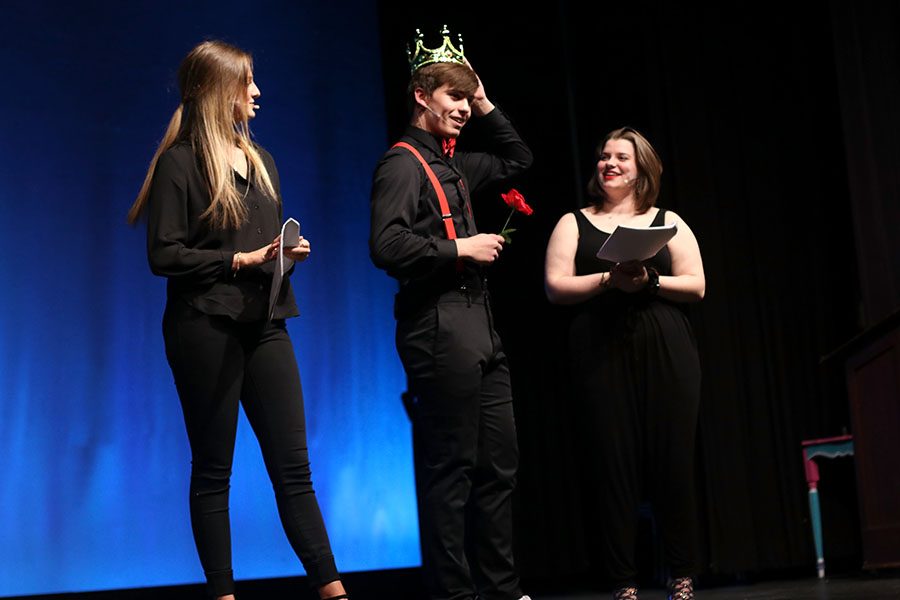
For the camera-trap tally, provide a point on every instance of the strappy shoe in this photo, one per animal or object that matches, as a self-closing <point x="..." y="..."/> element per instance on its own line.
<point x="341" y="597"/>
<point x="625" y="593"/>
<point x="681" y="589"/>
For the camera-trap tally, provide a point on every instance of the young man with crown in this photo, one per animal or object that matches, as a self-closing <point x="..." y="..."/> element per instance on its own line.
<point x="423" y="234"/>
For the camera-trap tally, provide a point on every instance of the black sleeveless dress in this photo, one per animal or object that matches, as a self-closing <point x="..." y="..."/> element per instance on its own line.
<point x="637" y="376"/>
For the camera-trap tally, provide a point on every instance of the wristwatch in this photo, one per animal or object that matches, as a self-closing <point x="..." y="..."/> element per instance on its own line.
<point x="652" y="281"/>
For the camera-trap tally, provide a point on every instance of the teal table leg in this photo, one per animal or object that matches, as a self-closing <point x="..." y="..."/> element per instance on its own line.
<point x="827" y="448"/>
<point x="816" y="522"/>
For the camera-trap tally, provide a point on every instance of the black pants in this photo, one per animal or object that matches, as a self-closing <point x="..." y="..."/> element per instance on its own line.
<point x="641" y="391"/>
<point x="217" y="363"/>
<point x="465" y="448"/>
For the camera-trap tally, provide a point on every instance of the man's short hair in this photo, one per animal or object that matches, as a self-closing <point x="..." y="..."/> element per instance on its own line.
<point x="430" y="77"/>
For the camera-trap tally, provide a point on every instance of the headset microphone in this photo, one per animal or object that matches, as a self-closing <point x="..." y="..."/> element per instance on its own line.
<point x="439" y="116"/>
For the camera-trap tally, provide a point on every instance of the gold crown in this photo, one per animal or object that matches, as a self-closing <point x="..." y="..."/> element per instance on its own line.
<point x="446" y="53"/>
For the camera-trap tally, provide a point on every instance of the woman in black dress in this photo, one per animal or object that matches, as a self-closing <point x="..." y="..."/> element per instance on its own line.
<point x="634" y="358"/>
<point x="213" y="204"/>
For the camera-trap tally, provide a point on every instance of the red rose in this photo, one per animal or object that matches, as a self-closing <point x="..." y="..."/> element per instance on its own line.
<point x="516" y="200"/>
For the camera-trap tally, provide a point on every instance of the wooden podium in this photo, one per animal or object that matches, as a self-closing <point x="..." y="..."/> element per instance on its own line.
<point x="872" y="361"/>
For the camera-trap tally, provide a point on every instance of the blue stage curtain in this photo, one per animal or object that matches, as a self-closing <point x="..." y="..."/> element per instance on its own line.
<point x="94" y="461"/>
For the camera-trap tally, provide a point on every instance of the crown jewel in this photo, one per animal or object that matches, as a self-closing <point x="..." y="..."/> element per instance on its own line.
<point x="446" y="53"/>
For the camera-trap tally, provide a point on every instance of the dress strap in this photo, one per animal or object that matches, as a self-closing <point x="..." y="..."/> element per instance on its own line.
<point x="659" y="219"/>
<point x="582" y="221"/>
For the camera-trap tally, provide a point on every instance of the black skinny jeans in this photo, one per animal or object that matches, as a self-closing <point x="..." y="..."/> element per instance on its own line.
<point x="218" y="363"/>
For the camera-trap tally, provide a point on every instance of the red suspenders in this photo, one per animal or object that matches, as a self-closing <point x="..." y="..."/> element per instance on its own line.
<point x="442" y="197"/>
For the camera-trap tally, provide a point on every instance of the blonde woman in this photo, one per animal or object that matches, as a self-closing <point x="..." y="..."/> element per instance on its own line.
<point x="213" y="205"/>
<point x="634" y="359"/>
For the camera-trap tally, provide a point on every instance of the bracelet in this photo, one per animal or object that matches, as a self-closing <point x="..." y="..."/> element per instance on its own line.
<point x="237" y="261"/>
<point x="652" y="281"/>
<point x="605" y="285"/>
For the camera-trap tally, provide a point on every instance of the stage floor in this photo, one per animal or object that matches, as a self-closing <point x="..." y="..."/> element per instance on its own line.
<point x="404" y="585"/>
<point x="839" y="588"/>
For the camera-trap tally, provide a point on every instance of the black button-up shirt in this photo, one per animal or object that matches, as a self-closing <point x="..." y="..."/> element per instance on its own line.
<point x="407" y="237"/>
<point x="195" y="257"/>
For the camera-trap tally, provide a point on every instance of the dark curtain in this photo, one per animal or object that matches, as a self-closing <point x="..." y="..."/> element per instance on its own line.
<point x="746" y="113"/>
<point x="867" y="56"/>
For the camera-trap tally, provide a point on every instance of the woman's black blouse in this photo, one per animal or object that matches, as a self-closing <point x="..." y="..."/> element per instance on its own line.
<point x="195" y="257"/>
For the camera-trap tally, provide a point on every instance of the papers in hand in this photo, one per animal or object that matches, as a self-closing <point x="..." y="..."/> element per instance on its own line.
<point x="635" y="243"/>
<point x="290" y="236"/>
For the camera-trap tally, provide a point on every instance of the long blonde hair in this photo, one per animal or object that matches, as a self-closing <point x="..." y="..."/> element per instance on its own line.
<point x="212" y="77"/>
